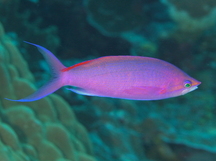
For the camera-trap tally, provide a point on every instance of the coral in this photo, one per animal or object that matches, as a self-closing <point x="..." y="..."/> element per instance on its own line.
<point x="114" y="17"/>
<point x="195" y="8"/>
<point x="192" y="17"/>
<point x="22" y="23"/>
<point x="45" y="130"/>
<point x="113" y="130"/>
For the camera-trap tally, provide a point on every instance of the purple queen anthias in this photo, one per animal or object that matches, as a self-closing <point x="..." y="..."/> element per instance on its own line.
<point x="126" y="77"/>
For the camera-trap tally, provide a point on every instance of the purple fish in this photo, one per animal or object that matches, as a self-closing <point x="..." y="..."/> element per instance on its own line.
<point x="126" y="77"/>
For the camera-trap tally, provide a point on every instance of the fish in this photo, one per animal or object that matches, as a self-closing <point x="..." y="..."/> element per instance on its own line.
<point x="124" y="77"/>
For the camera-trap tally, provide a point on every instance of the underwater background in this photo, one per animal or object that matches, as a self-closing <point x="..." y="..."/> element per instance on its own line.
<point x="69" y="127"/>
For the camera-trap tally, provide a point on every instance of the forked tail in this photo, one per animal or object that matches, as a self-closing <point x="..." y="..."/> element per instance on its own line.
<point x="54" y="84"/>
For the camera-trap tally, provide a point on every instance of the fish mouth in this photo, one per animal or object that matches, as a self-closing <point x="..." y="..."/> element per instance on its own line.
<point x="190" y="89"/>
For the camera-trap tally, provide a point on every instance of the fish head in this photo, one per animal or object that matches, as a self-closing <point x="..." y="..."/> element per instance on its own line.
<point x="181" y="86"/>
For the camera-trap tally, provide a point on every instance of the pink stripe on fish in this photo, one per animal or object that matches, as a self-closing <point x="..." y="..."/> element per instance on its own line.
<point x="76" y="65"/>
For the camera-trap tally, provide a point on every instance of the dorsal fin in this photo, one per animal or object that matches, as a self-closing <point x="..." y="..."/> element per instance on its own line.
<point x="76" y="65"/>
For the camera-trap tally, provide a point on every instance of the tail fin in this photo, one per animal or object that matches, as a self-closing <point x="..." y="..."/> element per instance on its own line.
<point x="54" y="84"/>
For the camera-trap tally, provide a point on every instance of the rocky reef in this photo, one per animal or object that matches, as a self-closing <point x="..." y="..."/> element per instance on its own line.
<point x="45" y="130"/>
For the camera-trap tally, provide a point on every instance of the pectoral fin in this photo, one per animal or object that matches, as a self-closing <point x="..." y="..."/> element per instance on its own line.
<point x="81" y="91"/>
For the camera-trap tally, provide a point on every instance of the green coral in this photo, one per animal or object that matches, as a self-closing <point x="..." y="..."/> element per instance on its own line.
<point x="45" y="130"/>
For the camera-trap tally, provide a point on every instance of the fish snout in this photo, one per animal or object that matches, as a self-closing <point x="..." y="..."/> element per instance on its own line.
<point x="194" y="86"/>
<point x="196" y="83"/>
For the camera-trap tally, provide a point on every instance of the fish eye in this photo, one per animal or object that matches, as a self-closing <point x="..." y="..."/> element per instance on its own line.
<point x="187" y="84"/>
